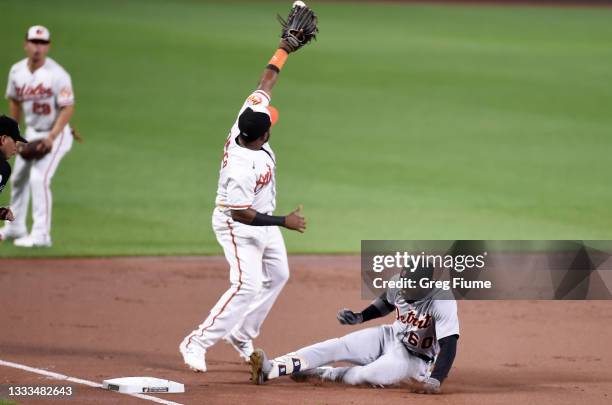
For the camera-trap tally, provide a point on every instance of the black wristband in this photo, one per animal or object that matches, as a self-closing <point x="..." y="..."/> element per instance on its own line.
<point x="371" y="312"/>
<point x="273" y="67"/>
<point x="378" y="308"/>
<point x="267" y="220"/>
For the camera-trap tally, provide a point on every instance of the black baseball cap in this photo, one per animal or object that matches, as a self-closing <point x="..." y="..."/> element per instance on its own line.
<point x="254" y="124"/>
<point x="9" y="127"/>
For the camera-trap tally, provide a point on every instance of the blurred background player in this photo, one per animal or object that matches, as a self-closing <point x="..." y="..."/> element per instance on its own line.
<point x="10" y="137"/>
<point x="244" y="224"/>
<point x="41" y="89"/>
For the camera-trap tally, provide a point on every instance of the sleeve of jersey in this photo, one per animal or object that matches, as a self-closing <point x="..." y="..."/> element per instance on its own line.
<point x="63" y="89"/>
<point x="240" y="191"/>
<point x="258" y="97"/>
<point x="447" y="321"/>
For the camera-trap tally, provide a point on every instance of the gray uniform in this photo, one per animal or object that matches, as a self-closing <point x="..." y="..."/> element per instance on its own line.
<point x="387" y="354"/>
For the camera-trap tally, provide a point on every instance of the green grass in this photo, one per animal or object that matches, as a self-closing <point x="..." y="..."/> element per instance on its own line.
<point x="400" y="122"/>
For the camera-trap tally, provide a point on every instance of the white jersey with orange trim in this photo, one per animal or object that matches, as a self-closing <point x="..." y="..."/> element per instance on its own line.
<point x="41" y="93"/>
<point x="247" y="177"/>
<point x="256" y="254"/>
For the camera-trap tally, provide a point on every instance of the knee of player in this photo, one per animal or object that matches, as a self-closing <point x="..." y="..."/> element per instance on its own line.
<point x="37" y="179"/>
<point x="354" y="376"/>
<point x="282" y="278"/>
<point x="276" y="282"/>
<point x="251" y="285"/>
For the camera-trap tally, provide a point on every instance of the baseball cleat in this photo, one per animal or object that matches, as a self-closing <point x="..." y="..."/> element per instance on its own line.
<point x="260" y="367"/>
<point x="194" y="356"/>
<point x="31" y="241"/>
<point x="8" y="232"/>
<point x="244" y="349"/>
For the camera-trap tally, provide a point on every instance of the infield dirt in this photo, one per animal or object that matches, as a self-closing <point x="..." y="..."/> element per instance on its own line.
<point x="103" y="318"/>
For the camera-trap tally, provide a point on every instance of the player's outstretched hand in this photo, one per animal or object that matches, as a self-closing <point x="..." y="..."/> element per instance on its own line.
<point x="6" y="214"/>
<point x="428" y="386"/>
<point x="347" y="317"/>
<point x="295" y="220"/>
<point x="299" y="28"/>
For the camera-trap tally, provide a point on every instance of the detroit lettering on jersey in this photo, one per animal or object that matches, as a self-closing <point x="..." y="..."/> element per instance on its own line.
<point x="41" y="93"/>
<point x="411" y="318"/>
<point x="247" y="177"/>
<point x="420" y="324"/>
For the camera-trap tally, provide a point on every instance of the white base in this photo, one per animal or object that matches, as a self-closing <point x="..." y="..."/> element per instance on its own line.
<point x="143" y="385"/>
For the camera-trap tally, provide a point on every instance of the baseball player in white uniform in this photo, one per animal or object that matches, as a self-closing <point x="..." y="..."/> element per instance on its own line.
<point x="41" y="89"/>
<point x="420" y="346"/>
<point x="246" y="229"/>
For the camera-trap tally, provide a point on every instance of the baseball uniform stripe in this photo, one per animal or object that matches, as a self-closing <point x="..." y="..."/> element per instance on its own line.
<point x="47" y="207"/>
<point x="235" y="292"/>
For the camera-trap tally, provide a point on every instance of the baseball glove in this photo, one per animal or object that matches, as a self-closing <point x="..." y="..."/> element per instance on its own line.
<point x="300" y="27"/>
<point x="6" y="215"/>
<point x="34" y="150"/>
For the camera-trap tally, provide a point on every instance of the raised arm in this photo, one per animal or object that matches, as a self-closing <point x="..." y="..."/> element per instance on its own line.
<point x="271" y="72"/>
<point x="299" y="29"/>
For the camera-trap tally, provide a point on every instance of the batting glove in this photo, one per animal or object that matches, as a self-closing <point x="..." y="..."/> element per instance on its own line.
<point x="347" y="317"/>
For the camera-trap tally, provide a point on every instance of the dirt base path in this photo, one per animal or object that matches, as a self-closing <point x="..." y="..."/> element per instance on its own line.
<point x="100" y="318"/>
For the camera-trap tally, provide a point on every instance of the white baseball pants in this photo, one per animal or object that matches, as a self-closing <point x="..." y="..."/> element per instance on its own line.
<point x="258" y="271"/>
<point x="33" y="178"/>
<point x="381" y="359"/>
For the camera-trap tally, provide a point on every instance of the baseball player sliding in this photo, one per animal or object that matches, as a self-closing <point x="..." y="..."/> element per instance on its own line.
<point x="242" y="220"/>
<point x="420" y="346"/>
<point x="41" y="89"/>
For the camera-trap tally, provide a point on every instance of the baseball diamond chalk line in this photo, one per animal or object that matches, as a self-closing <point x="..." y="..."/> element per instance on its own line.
<point x="62" y="377"/>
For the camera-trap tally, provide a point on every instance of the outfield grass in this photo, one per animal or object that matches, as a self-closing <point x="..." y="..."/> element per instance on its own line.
<point x="401" y="121"/>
